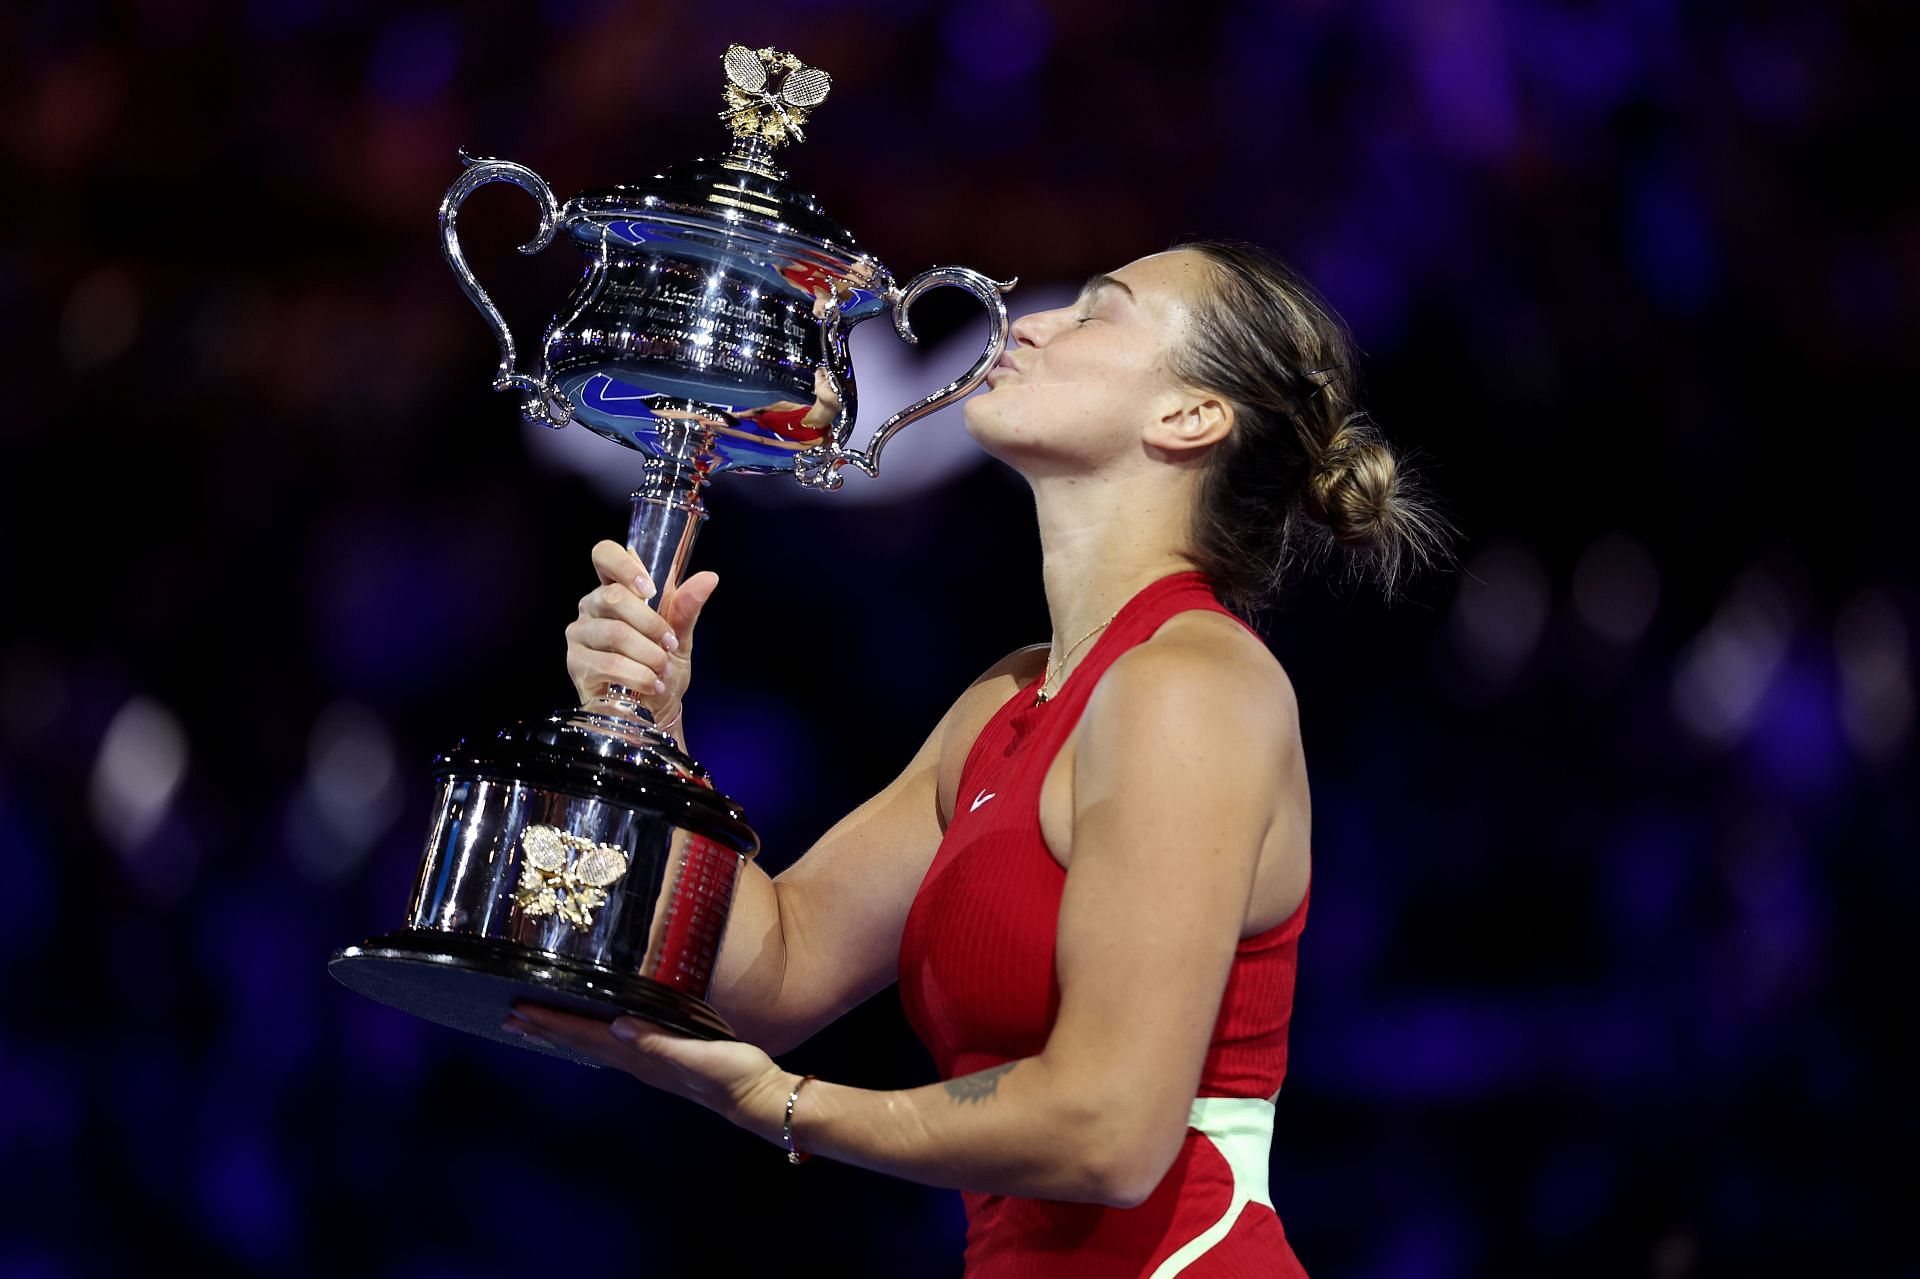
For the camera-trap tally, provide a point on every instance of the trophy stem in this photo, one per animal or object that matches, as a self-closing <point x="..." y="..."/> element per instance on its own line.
<point x="667" y="514"/>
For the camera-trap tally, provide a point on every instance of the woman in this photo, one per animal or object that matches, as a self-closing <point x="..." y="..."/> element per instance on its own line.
<point x="1091" y="879"/>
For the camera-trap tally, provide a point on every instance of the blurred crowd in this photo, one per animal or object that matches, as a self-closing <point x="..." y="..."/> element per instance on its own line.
<point x="1603" y="970"/>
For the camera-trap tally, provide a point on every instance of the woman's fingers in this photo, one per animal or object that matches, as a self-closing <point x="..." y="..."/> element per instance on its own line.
<point x="617" y="603"/>
<point x="613" y="636"/>
<point x="617" y="565"/>
<point x="622" y="635"/>
<point x="592" y="671"/>
<point x="684" y="605"/>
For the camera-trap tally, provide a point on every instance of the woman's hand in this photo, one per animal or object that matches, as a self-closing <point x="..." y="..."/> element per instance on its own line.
<point x="620" y="638"/>
<point x="734" y="1080"/>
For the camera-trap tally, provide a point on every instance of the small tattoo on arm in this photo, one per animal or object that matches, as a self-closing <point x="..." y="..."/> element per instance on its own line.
<point x="978" y="1086"/>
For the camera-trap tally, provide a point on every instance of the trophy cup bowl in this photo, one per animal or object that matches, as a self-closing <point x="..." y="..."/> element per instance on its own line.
<point x="582" y="860"/>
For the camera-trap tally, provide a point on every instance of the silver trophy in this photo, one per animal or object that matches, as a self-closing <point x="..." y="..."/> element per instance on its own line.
<point x="582" y="861"/>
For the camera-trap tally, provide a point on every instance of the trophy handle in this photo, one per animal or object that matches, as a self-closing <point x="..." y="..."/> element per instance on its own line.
<point x="540" y="403"/>
<point x="819" y="467"/>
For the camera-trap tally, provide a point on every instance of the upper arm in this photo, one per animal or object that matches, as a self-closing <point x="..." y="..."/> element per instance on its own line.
<point x="1175" y="784"/>
<point x="843" y="904"/>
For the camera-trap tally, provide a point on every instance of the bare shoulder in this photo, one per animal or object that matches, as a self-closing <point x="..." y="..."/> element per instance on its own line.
<point x="1202" y="670"/>
<point x="1201" y="721"/>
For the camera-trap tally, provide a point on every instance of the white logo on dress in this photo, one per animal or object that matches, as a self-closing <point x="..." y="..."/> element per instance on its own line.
<point x="982" y="798"/>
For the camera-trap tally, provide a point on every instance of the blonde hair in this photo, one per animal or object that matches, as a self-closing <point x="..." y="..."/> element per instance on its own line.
<point x="1305" y="474"/>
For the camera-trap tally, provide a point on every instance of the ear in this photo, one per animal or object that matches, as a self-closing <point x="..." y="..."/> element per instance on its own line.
<point x="1192" y="423"/>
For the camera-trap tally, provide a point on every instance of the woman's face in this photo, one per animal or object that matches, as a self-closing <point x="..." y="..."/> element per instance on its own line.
<point x="1086" y="383"/>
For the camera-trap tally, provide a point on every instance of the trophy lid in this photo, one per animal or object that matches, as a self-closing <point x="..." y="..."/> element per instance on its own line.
<point x="769" y="96"/>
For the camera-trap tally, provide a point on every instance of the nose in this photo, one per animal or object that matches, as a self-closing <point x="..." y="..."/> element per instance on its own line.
<point x="1031" y="329"/>
<point x="1021" y="333"/>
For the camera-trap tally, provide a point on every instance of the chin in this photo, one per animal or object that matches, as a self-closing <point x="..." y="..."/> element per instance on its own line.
<point x="978" y="417"/>
<point x="989" y="428"/>
<point x="1007" y="432"/>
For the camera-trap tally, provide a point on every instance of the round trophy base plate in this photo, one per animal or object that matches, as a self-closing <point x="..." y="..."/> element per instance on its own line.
<point x="472" y="983"/>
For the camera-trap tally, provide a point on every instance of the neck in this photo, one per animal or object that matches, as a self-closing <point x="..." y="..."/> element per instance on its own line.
<point x="1103" y="538"/>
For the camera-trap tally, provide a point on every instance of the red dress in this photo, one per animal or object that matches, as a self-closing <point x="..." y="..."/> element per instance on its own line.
<point x="978" y="983"/>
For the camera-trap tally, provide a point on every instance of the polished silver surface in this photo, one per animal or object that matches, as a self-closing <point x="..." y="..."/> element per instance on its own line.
<point x="539" y="404"/>
<point x="584" y="860"/>
<point x="710" y="295"/>
<point x="819" y="467"/>
<point x="659" y="919"/>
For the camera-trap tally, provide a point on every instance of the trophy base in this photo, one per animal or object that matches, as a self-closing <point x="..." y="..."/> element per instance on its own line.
<point x="472" y="983"/>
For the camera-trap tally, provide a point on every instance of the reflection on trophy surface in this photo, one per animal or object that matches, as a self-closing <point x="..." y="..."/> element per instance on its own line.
<point x="582" y="860"/>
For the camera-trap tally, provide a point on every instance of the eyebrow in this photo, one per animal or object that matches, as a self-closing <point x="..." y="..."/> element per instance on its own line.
<point x="1097" y="282"/>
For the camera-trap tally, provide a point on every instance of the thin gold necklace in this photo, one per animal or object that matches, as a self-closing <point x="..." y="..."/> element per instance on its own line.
<point x="1053" y="670"/>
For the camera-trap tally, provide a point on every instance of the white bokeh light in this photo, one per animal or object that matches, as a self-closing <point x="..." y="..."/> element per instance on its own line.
<point x="1616" y="587"/>
<point x="1501" y="610"/>
<point x="142" y="761"/>
<point x="1727" y="669"/>
<point x="351" y="796"/>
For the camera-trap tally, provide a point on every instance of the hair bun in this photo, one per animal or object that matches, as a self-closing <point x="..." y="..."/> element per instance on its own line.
<point x="1304" y="469"/>
<point x="1353" y="488"/>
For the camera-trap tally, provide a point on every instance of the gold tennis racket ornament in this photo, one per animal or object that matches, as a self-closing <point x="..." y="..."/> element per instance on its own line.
<point x="769" y="94"/>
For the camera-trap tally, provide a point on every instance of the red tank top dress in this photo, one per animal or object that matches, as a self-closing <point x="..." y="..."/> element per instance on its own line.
<point x="978" y="984"/>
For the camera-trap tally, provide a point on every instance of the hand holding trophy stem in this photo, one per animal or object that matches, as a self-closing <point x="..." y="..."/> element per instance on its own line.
<point x="623" y="652"/>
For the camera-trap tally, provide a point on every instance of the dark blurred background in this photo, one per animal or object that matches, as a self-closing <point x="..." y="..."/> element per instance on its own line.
<point x="1614" y="827"/>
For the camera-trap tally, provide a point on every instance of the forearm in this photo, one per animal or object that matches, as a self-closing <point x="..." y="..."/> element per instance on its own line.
<point x="1017" y="1129"/>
